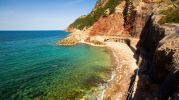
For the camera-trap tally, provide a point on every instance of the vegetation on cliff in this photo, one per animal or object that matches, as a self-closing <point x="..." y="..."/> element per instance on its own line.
<point x="171" y="15"/>
<point x="91" y="18"/>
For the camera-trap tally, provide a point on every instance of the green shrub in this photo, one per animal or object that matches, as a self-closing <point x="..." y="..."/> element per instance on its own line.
<point x="171" y="17"/>
<point x="165" y="12"/>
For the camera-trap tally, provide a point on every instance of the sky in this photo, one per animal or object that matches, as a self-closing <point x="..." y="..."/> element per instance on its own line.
<point x="42" y="14"/>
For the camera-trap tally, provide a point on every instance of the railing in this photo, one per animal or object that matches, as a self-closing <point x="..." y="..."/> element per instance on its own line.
<point x="132" y="85"/>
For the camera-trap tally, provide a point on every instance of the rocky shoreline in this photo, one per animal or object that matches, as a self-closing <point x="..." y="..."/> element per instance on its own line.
<point x="125" y="69"/>
<point x="117" y="86"/>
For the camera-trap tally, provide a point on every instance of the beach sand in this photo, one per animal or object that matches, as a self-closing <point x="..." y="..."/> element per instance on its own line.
<point x="117" y="87"/>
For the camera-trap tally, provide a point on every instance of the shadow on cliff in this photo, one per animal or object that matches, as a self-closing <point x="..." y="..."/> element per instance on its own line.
<point x="155" y="80"/>
<point x="146" y="47"/>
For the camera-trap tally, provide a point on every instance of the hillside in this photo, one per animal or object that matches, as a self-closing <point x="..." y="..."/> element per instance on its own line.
<point x="102" y="7"/>
<point x="125" y="16"/>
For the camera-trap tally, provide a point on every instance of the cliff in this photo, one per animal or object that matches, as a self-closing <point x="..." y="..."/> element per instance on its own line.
<point x="158" y="54"/>
<point x="159" y="69"/>
<point x="99" y="21"/>
<point x="114" y="17"/>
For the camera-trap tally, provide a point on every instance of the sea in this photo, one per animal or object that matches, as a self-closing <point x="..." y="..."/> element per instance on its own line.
<point x="34" y="67"/>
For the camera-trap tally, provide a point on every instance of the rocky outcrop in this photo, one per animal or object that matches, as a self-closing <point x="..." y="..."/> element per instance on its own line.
<point x="166" y="61"/>
<point x="159" y="69"/>
<point x="74" y="38"/>
<point x="68" y="41"/>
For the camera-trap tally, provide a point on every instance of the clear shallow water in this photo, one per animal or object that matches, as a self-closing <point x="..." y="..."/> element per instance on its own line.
<point x="32" y="66"/>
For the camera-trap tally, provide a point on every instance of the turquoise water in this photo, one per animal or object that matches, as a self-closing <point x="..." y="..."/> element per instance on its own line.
<point x="32" y="66"/>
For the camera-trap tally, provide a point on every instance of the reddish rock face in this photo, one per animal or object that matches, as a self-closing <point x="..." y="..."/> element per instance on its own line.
<point x="111" y="25"/>
<point x="114" y="24"/>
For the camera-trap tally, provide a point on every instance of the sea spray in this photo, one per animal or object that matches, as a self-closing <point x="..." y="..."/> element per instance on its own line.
<point x="102" y="87"/>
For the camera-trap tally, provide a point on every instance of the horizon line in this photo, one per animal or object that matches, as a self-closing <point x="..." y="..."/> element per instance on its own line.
<point x="36" y="30"/>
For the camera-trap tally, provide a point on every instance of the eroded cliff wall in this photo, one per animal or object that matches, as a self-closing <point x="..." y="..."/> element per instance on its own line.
<point x="159" y="49"/>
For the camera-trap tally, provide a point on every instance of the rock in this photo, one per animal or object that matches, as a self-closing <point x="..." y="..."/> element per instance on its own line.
<point x="68" y="41"/>
<point x="166" y="60"/>
<point x="159" y="48"/>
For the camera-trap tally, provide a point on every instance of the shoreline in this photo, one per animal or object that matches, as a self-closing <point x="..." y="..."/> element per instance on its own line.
<point x="123" y="68"/>
<point x="122" y="73"/>
<point x="115" y="64"/>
